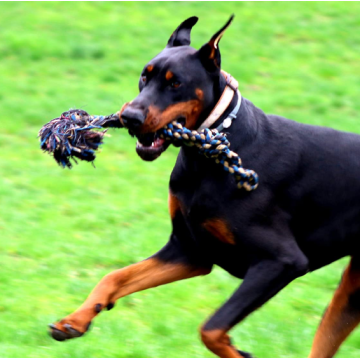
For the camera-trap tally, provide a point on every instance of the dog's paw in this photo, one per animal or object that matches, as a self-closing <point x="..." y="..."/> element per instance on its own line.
<point x="61" y="332"/>
<point x="73" y="326"/>
<point x="78" y="323"/>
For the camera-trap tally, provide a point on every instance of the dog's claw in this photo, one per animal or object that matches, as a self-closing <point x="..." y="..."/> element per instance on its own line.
<point x="245" y="354"/>
<point x="59" y="335"/>
<point x="72" y="331"/>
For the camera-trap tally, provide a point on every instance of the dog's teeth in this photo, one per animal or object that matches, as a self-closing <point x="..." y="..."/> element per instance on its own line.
<point x="152" y="144"/>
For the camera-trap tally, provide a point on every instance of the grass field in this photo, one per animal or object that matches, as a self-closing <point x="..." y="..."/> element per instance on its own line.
<point x="61" y="230"/>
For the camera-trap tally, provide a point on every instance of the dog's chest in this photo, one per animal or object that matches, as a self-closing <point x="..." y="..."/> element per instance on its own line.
<point x="198" y="193"/>
<point x="212" y="231"/>
<point x="203" y="199"/>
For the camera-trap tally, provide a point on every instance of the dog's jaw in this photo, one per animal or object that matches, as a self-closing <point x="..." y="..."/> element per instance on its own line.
<point x="153" y="151"/>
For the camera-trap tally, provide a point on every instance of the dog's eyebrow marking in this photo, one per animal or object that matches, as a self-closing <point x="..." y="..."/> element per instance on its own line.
<point x="199" y="93"/>
<point x="169" y="75"/>
<point x="220" y="230"/>
<point x="150" y="68"/>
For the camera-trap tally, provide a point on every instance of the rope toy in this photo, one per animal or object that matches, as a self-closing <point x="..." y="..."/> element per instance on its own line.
<point x="71" y="135"/>
<point x="215" y="145"/>
<point x="77" y="134"/>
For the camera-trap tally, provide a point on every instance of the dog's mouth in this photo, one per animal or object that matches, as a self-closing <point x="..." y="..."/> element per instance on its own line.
<point x="150" y="146"/>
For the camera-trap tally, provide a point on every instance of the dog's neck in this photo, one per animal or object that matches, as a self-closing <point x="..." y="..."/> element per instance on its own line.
<point x="227" y="93"/>
<point x="242" y="124"/>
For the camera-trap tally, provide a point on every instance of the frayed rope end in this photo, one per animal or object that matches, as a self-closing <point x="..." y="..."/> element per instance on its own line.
<point x="75" y="134"/>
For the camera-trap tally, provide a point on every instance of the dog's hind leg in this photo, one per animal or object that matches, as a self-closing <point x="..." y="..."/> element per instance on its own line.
<point x="262" y="281"/>
<point x="167" y="266"/>
<point x="342" y="315"/>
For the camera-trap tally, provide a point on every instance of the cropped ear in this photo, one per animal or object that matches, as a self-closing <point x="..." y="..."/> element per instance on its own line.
<point x="181" y="36"/>
<point x="209" y="53"/>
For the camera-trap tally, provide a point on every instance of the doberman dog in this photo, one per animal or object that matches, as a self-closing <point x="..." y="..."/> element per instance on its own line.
<point x="304" y="214"/>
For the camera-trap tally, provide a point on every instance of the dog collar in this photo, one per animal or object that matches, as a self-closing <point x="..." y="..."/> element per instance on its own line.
<point x="226" y="97"/>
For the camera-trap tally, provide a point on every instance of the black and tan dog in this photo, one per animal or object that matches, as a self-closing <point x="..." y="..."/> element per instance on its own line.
<point x="304" y="215"/>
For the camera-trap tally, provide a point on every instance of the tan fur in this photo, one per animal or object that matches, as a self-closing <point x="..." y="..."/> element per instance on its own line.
<point x="146" y="274"/>
<point x="174" y="205"/>
<point x="220" y="230"/>
<point x="339" y="319"/>
<point x="156" y="119"/>
<point x="218" y="341"/>
<point x="199" y="93"/>
<point x="169" y="75"/>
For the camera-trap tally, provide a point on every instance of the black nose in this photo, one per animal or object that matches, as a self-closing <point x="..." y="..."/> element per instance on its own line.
<point x="132" y="118"/>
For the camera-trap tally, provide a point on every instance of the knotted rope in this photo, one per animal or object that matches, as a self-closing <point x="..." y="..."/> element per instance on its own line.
<point x="213" y="145"/>
<point x="71" y="135"/>
<point x="74" y="134"/>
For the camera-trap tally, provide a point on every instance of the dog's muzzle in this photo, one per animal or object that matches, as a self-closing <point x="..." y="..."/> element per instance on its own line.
<point x="132" y="118"/>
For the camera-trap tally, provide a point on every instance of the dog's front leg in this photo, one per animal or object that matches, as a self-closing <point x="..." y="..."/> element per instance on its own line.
<point x="168" y="265"/>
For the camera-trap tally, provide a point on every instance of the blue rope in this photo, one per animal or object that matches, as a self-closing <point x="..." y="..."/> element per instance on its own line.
<point x="213" y="145"/>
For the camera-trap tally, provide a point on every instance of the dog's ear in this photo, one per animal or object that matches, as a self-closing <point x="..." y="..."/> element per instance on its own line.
<point x="209" y="53"/>
<point x="181" y="36"/>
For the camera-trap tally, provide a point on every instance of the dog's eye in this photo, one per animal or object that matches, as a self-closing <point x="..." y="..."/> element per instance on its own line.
<point x="143" y="79"/>
<point x="175" y="84"/>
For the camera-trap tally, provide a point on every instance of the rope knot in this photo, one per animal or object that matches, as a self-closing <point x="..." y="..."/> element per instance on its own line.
<point x="213" y="145"/>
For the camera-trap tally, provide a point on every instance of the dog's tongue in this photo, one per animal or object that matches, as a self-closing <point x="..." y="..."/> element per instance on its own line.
<point x="158" y="142"/>
<point x="155" y="144"/>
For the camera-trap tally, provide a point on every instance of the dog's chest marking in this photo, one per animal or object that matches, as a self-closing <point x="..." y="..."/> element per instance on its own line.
<point x="219" y="229"/>
<point x="174" y="205"/>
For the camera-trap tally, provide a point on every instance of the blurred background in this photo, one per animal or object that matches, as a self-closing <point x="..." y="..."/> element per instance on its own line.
<point x="62" y="230"/>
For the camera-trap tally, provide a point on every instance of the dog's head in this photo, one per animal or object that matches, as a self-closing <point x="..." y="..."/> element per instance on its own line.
<point x="180" y="83"/>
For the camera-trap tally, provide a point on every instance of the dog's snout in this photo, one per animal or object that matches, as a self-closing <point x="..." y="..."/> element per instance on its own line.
<point x="133" y="118"/>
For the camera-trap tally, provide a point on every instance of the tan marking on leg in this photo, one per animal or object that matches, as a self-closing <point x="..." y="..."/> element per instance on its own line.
<point x="119" y="283"/>
<point x="169" y="75"/>
<point x="220" y="230"/>
<point x="340" y="317"/>
<point x="218" y="342"/>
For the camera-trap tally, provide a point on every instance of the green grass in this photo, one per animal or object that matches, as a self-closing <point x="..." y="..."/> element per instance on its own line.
<point x="61" y="230"/>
